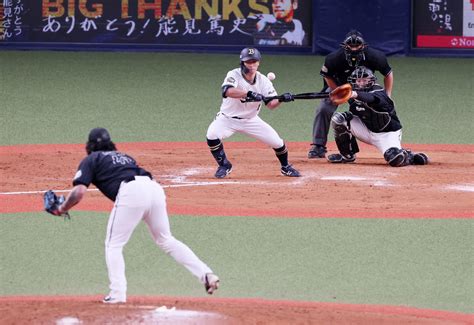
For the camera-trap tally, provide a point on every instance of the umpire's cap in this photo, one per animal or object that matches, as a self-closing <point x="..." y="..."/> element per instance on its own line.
<point x="250" y="53"/>
<point x="98" y="135"/>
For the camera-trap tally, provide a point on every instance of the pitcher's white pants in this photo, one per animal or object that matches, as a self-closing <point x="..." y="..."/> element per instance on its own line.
<point x="137" y="200"/>
<point x="382" y="141"/>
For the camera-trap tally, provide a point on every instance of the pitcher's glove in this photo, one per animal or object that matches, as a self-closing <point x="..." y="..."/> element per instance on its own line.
<point x="341" y="94"/>
<point x="52" y="203"/>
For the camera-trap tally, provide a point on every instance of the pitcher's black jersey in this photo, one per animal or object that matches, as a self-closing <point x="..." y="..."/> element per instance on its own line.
<point x="106" y="170"/>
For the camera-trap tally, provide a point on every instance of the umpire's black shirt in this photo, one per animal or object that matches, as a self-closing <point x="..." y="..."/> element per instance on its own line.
<point x="336" y="67"/>
<point x="106" y="170"/>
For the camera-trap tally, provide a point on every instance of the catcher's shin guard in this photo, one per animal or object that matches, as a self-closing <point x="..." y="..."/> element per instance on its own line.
<point x="345" y="141"/>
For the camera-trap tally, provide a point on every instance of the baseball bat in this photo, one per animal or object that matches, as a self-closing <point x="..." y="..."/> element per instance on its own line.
<point x="302" y="96"/>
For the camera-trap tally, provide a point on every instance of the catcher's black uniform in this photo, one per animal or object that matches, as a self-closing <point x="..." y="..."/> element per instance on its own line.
<point x="337" y="68"/>
<point x="376" y="110"/>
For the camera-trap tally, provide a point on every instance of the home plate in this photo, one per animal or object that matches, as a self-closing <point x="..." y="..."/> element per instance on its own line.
<point x="164" y="315"/>
<point x="68" y="321"/>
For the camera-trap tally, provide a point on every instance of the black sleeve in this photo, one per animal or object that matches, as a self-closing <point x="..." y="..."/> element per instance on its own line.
<point x="224" y="90"/>
<point x="84" y="174"/>
<point x="382" y="63"/>
<point x="328" y="69"/>
<point x="368" y="98"/>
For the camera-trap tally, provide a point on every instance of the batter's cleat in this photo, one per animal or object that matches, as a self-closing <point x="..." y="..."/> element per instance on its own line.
<point x="211" y="283"/>
<point x="114" y="299"/>
<point x="289" y="171"/>
<point x="337" y="158"/>
<point x="317" y="151"/>
<point x="420" y="159"/>
<point x="223" y="171"/>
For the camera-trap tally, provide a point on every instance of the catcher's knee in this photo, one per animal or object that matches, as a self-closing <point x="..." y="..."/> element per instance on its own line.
<point x="397" y="157"/>
<point x="340" y="122"/>
<point x="345" y="140"/>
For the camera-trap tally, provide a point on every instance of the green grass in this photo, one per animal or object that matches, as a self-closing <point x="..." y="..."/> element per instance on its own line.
<point x="59" y="96"/>
<point x="422" y="263"/>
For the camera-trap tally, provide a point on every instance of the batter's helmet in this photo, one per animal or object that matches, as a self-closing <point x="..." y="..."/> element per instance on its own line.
<point x="362" y="73"/>
<point x="354" y="39"/>
<point x="247" y="54"/>
<point x="250" y="53"/>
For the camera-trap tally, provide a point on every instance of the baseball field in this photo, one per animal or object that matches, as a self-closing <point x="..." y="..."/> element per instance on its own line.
<point x="344" y="244"/>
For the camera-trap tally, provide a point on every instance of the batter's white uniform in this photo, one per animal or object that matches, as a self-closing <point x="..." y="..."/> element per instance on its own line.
<point x="235" y="116"/>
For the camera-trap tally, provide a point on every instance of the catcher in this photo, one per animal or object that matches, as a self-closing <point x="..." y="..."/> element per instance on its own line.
<point x="372" y="119"/>
<point x="137" y="197"/>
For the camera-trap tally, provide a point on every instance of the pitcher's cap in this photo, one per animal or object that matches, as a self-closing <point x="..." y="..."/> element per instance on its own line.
<point x="99" y="135"/>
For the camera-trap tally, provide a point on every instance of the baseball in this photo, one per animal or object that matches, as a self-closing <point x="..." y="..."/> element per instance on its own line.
<point x="271" y="76"/>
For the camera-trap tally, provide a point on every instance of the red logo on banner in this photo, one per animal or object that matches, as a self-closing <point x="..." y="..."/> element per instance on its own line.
<point x="465" y="42"/>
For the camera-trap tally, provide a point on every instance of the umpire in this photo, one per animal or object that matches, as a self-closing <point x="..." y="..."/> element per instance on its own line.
<point x="337" y="67"/>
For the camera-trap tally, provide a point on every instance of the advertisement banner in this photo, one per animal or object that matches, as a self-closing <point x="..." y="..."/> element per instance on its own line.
<point x="443" y="24"/>
<point x="157" y="22"/>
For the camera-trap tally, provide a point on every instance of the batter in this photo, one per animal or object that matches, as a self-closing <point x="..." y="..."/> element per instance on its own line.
<point x="236" y="115"/>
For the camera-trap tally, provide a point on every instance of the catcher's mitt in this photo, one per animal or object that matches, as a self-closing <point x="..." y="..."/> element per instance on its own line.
<point x="52" y="203"/>
<point x="341" y="94"/>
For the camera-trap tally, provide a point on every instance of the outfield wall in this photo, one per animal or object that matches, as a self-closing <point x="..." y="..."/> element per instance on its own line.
<point x="397" y="27"/>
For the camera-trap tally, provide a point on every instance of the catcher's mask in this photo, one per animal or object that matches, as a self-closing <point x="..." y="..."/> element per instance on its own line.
<point x="99" y="140"/>
<point x="362" y="78"/>
<point x="247" y="54"/>
<point x="354" y="46"/>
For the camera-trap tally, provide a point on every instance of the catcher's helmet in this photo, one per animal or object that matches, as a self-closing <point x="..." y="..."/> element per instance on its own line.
<point x="354" y="46"/>
<point x="362" y="73"/>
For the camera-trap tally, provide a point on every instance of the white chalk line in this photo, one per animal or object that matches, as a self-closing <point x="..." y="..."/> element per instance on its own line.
<point x="95" y="190"/>
<point x="462" y="187"/>
<point x="181" y="180"/>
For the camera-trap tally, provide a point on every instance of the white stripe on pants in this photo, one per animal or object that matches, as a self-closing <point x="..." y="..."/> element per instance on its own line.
<point x="137" y="200"/>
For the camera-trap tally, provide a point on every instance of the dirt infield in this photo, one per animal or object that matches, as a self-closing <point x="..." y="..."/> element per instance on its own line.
<point x="169" y="310"/>
<point x="365" y="189"/>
